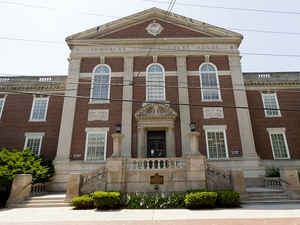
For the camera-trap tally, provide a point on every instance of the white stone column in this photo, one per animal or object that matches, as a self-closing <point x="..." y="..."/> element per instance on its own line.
<point x="141" y="148"/>
<point x="184" y="110"/>
<point x="170" y="142"/>
<point x="243" y="115"/>
<point x="127" y="107"/>
<point x="67" y="120"/>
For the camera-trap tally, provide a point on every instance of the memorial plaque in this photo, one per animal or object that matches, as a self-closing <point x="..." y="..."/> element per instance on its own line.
<point x="98" y="114"/>
<point x="157" y="179"/>
<point x="213" y="113"/>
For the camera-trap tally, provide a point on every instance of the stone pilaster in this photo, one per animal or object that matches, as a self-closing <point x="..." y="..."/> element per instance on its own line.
<point x="66" y="127"/>
<point x="194" y="143"/>
<point x="117" y="144"/>
<point x="170" y="142"/>
<point x="243" y="115"/>
<point x="127" y="107"/>
<point x="183" y="109"/>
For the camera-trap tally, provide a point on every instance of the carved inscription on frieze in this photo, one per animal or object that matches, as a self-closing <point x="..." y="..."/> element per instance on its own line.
<point x="98" y="114"/>
<point x="213" y="113"/>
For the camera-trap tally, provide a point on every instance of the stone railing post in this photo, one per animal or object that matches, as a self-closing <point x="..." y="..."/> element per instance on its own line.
<point x="117" y="144"/>
<point x="116" y="174"/>
<point x="196" y="172"/>
<point x="238" y="184"/>
<point x="73" y="187"/>
<point x="20" y="189"/>
<point x="290" y="182"/>
<point x="194" y="142"/>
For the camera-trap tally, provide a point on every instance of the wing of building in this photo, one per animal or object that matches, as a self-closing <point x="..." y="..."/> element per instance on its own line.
<point x="150" y="94"/>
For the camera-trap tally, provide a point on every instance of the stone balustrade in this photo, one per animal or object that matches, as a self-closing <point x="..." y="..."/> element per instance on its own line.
<point x="156" y="163"/>
<point x="273" y="182"/>
<point x="38" y="189"/>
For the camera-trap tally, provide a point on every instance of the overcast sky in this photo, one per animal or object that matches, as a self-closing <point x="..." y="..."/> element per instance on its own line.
<point x="52" y="21"/>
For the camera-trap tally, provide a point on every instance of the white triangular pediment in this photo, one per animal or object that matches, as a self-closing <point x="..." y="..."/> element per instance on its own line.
<point x="153" y="14"/>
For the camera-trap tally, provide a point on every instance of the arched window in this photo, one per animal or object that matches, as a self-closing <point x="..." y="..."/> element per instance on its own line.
<point x="100" y="84"/>
<point x="155" y="82"/>
<point x="210" y="87"/>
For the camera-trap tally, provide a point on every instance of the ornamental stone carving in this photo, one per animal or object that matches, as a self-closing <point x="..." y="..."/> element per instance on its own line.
<point x="154" y="28"/>
<point x="213" y="113"/>
<point x="155" y="111"/>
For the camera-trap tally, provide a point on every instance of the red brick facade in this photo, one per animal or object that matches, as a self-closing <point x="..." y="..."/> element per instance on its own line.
<point x="288" y="119"/>
<point x="15" y="122"/>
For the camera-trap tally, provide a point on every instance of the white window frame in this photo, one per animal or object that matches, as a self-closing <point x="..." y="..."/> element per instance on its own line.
<point x="32" y="108"/>
<point x="2" y="108"/>
<point x="34" y="135"/>
<point x="147" y="81"/>
<point x="218" y="84"/>
<point x="92" y="100"/>
<point x="283" y="132"/>
<point x="277" y="104"/>
<point x="96" y="130"/>
<point x="216" y="128"/>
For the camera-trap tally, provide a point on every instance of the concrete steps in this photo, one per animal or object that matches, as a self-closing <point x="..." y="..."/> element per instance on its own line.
<point x="47" y="200"/>
<point x="265" y="196"/>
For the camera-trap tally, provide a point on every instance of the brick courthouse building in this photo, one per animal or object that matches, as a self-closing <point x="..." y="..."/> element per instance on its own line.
<point x="154" y="86"/>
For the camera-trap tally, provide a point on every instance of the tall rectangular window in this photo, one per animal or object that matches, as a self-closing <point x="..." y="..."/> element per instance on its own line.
<point x="216" y="143"/>
<point x="271" y="105"/>
<point x="95" y="146"/>
<point x="2" y="101"/>
<point x="100" y="84"/>
<point x="279" y="143"/>
<point x="33" y="141"/>
<point x="39" y="109"/>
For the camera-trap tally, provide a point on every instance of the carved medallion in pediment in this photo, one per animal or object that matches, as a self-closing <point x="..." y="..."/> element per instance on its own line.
<point x="155" y="111"/>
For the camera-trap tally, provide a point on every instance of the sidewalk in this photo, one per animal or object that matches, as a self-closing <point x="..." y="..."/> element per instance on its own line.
<point x="248" y="214"/>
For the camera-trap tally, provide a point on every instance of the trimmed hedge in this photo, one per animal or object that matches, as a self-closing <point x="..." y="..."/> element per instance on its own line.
<point x="228" y="199"/>
<point x="155" y="201"/>
<point x="107" y="200"/>
<point x="192" y="200"/>
<point x="83" y="202"/>
<point x="199" y="200"/>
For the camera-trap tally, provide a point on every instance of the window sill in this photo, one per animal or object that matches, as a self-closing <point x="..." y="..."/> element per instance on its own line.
<point x="218" y="100"/>
<point x="99" y="102"/>
<point x="273" y="116"/>
<point x="282" y="159"/>
<point x="221" y="159"/>
<point x="37" y="120"/>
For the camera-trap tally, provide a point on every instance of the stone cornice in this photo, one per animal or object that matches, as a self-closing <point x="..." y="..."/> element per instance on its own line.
<point x="156" y="41"/>
<point x="166" y="49"/>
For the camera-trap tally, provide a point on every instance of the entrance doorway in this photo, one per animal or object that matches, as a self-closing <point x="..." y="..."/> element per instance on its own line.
<point x="156" y="144"/>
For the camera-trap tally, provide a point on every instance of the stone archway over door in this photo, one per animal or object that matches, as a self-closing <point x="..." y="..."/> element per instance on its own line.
<point x="155" y="117"/>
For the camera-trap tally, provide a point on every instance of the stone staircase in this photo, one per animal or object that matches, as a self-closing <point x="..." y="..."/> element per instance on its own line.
<point x="45" y="200"/>
<point x="266" y="195"/>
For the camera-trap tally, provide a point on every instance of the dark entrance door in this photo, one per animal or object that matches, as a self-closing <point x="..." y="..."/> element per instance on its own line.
<point x="156" y="144"/>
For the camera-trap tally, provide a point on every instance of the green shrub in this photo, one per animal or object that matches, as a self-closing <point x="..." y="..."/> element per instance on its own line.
<point x="13" y="162"/>
<point x="199" y="200"/>
<point x="228" y="199"/>
<point x="155" y="201"/>
<point x="83" y="202"/>
<point x="272" y="172"/>
<point x="107" y="200"/>
<point x="195" y="190"/>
